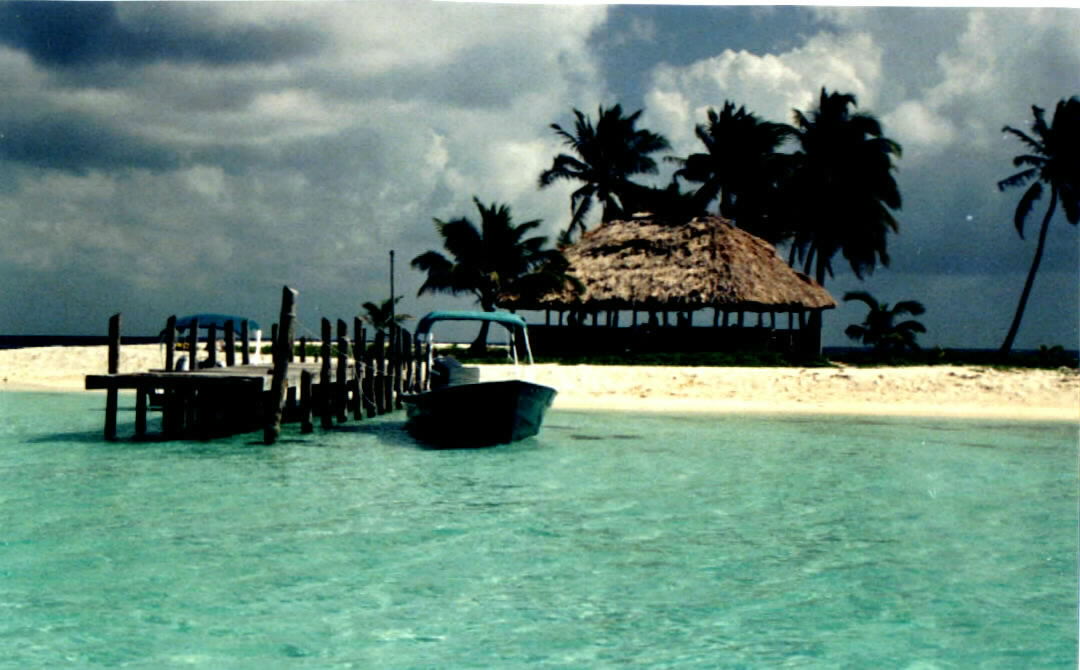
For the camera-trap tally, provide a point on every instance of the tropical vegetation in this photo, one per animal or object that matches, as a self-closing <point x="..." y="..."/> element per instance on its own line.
<point x="843" y="186"/>
<point x="1053" y="162"/>
<point x="742" y="166"/>
<point x="881" y="328"/>
<point x="491" y="261"/>
<point x="605" y="156"/>
<point x="379" y="316"/>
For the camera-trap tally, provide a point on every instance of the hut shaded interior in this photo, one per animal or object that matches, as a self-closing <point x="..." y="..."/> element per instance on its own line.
<point x="640" y="265"/>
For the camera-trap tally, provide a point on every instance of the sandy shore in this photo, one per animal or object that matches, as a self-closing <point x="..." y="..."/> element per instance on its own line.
<point x="908" y="391"/>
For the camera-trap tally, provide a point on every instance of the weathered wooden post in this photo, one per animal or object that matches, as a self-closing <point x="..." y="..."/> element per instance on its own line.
<point x="397" y="362"/>
<point x="170" y="343"/>
<point x="211" y="346"/>
<point x="388" y="371"/>
<point x="358" y="372"/>
<point x="303" y="349"/>
<point x="305" y="402"/>
<point x="140" y="413"/>
<point x="341" y="384"/>
<point x="421" y="365"/>
<point x="326" y="393"/>
<point x="367" y="384"/>
<point x="279" y="382"/>
<point x="230" y="343"/>
<point x="245" y="356"/>
<point x="193" y="344"/>
<point x="111" y="395"/>
<point x="380" y="373"/>
<point x="168" y="403"/>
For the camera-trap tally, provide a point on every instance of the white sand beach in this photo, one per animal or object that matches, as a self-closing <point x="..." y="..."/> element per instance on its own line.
<point x="961" y="391"/>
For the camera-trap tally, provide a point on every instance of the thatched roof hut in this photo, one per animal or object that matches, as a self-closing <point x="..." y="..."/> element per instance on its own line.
<point x="642" y="265"/>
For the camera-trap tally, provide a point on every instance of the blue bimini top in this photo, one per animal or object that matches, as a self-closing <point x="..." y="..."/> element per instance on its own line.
<point x="511" y="321"/>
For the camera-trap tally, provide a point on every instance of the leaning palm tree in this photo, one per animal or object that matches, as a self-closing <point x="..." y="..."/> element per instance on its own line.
<point x="491" y="261"/>
<point x="380" y="316"/>
<point x="843" y="185"/>
<point x="1054" y="161"/>
<point x="741" y="166"/>
<point x="880" y="329"/>
<point x="606" y="156"/>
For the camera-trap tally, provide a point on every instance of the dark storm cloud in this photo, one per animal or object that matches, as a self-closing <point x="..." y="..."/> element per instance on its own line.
<point x="80" y="34"/>
<point x="72" y="145"/>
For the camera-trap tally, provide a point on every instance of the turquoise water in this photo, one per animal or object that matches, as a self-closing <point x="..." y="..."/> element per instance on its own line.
<point x="612" y="540"/>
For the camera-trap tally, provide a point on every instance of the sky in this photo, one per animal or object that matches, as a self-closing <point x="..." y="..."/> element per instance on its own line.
<point x="163" y="158"/>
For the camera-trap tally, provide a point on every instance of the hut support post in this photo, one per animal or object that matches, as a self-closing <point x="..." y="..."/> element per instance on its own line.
<point x="279" y="382"/>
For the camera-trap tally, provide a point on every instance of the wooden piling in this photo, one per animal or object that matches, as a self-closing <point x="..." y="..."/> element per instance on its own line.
<point x="341" y="388"/>
<point x="358" y="363"/>
<point x="305" y="402"/>
<point x="193" y="345"/>
<point x="230" y="344"/>
<point x="367" y="383"/>
<point x="303" y="349"/>
<point x="112" y="395"/>
<point x="211" y="346"/>
<point x="245" y="355"/>
<point x="140" y="413"/>
<point x="398" y="363"/>
<point x="379" y="385"/>
<point x="170" y="343"/>
<point x="325" y="394"/>
<point x="278" y="384"/>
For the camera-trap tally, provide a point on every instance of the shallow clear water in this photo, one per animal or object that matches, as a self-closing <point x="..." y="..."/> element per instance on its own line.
<point x="612" y="540"/>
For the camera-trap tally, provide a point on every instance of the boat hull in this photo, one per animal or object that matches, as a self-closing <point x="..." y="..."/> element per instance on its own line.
<point x="478" y="415"/>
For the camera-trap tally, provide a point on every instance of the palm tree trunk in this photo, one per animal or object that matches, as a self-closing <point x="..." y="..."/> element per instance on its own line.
<point x="479" y="345"/>
<point x="1006" y="346"/>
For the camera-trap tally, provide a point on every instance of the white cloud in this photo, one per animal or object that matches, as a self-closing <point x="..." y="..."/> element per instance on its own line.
<point x="770" y="85"/>
<point x="919" y="129"/>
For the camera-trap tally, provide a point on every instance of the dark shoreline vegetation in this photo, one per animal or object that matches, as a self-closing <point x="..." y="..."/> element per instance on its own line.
<point x="1044" y="358"/>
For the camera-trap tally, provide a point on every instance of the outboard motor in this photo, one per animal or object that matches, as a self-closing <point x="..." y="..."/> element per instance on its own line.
<point x="448" y="371"/>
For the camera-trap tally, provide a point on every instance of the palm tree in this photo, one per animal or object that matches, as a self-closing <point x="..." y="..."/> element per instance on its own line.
<point x="607" y="155"/>
<point x="880" y="329"/>
<point x="492" y="261"/>
<point x="380" y="316"/>
<point x="741" y="165"/>
<point x="843" y="187"/>
<point x="1054" y="161"/>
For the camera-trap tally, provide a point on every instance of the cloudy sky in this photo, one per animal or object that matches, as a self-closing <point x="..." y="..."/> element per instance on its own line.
<point x="164" y="158"/>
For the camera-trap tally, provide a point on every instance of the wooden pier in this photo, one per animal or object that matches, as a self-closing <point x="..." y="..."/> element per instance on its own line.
<point x="352" y="380"/>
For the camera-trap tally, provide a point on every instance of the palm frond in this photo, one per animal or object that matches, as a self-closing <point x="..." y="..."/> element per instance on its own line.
<point x="1023" y="208"/>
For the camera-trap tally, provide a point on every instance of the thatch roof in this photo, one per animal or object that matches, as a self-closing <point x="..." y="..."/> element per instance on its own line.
<point x="640" y="264"/>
